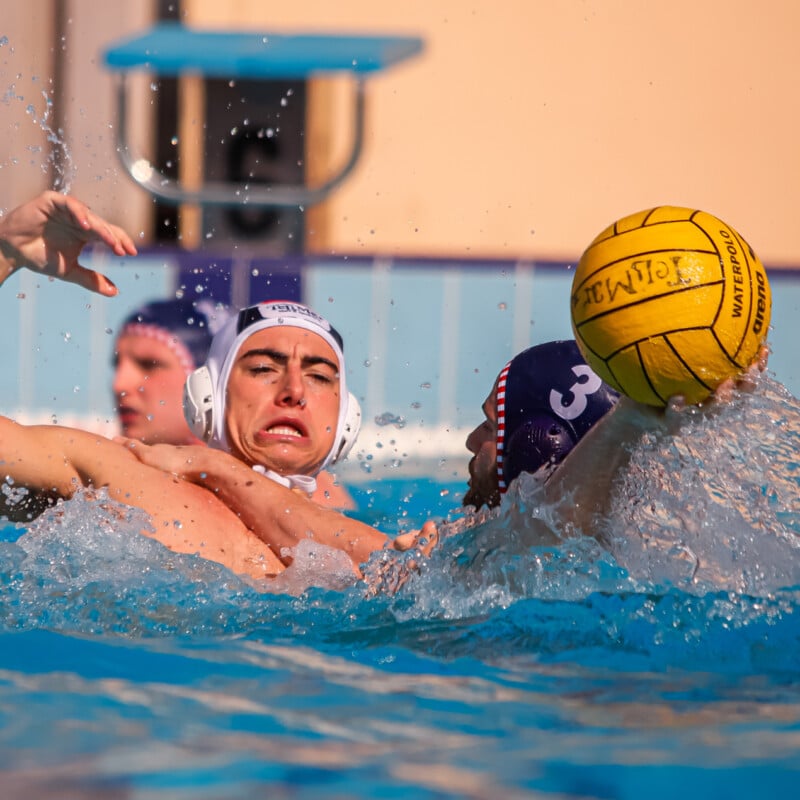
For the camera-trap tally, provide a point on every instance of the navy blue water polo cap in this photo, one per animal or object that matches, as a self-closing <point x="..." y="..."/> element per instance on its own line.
<point x="186" y="327"/>
<point x="547" y="399"/>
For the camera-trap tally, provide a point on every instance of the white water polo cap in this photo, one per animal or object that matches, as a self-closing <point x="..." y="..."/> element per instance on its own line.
<point x="204" y="398"/>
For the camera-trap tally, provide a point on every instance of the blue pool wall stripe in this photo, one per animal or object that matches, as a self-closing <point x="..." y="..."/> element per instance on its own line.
<point x="424" y="337"/>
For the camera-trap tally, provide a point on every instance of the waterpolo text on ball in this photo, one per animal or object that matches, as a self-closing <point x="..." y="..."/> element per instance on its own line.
<point x="669" y="301"/>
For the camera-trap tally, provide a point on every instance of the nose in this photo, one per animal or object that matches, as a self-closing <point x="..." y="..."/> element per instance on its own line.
<point x="126" y="378"/>
<point x="291" y="391"/>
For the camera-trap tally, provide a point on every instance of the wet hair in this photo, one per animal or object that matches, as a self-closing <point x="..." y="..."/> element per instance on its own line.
<point x="547" y="400"/>
<point x="186" y="327"/>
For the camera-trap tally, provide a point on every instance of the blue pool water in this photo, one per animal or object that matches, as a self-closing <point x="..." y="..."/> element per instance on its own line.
<point x="506" y="665"/>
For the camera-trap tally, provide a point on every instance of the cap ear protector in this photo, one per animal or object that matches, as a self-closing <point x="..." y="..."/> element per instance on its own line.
<point x="198" y="403"/>
<point x="198" y="409"/>
<point x="542" y="440"/>
<point x="350" y="429"/>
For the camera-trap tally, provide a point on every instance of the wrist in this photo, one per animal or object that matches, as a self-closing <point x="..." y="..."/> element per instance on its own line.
<point x="213" y="468"/>
<point x="8" y="263"/>
<point x="196" y="468"/>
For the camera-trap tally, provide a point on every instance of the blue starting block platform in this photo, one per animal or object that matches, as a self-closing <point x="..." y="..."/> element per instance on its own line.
<point x="173" y="50"/>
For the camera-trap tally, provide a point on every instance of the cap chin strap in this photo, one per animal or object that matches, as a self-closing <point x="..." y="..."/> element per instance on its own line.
<point x="305" y="483"/>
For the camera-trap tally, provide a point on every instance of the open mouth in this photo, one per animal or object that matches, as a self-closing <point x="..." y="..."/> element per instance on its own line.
<point x="127" y="415"/>
<point x="284" y="430"/>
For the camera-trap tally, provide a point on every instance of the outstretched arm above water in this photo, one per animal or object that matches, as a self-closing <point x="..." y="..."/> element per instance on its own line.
<point x="46" y="235"/>
<point x="279" y="516"/>
<point x="40" y="464"/>
<point x="583" y="483"/>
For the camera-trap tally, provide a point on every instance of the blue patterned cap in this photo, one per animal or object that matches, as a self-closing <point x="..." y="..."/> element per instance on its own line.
<point x="186" y="327"/>
<point x="547" y="399"/>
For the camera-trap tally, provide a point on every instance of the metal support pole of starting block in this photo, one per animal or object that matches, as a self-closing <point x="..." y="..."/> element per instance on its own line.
<point x="170" y="49"/>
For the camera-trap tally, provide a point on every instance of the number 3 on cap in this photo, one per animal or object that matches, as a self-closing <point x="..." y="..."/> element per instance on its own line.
<point x="579" y="391"/>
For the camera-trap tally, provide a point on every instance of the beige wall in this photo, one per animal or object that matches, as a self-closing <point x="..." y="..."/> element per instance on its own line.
<point x="525" y="127"/>
<point x="90" y="109"/>
<point x="528" y="125"/>
<point x="25" y="73"/>
<point x="28" y="66"/>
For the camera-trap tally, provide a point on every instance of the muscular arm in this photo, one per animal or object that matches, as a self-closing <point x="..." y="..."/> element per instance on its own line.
<point x="52" y="462"/>
<point x="280" y="516"/>
<point x="56" y="462"/>
<point x="33" y="459"/>
<point x="583" y="483"/>
<point x="586" y="477"/>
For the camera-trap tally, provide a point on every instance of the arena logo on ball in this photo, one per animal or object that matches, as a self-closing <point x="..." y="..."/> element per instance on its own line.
<point x="739" y="266"/>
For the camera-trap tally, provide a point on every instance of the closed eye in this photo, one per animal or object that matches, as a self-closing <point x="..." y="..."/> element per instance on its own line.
<point x="323" y="378"/>
<point x="143" y="364"/>
<point x="262" y="369"/>
<point x="150" y="364"/>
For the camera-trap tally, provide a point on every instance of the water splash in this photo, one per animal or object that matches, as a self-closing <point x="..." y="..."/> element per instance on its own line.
<point x="57" y="162"/>
<point x="707" y="509"/>
<point x="388" y="418"/>
<point x="715" y="503"/>
<point x="510" y="581"/>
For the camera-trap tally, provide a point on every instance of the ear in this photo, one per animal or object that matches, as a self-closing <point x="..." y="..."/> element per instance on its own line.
<point x="350" y="429"/>
<point x="198" y="403"/>
<point x="541" y="440"/>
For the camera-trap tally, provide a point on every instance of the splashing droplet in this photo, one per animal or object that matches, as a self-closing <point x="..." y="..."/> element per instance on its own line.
<point x="387" y="418"/>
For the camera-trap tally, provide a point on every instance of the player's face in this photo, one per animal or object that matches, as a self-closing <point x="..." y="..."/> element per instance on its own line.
<point x="482" y="443"/>
<point x="283" y="400"/>
<point x="148" y="391"/>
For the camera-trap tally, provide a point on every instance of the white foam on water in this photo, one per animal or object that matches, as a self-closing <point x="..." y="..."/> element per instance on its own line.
<point x="710" y="505"/>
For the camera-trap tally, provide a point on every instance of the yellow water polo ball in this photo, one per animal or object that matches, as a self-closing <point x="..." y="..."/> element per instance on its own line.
<point x="669" y="301"/>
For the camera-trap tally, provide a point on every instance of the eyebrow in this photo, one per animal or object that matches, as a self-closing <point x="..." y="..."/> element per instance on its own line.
<point x="283" y="358"/>
<point x="115" y="359"/>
